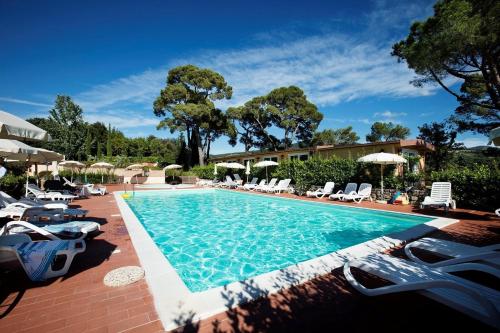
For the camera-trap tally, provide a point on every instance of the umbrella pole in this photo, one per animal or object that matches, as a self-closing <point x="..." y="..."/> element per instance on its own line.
<point x="382" y="180"/>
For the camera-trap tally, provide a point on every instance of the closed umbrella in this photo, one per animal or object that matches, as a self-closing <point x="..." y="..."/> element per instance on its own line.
<point x="12" y="127"/>
<point x="102" y="165"/>
<point x="215" y="169"/>
<point x="265" y="164"/>
<point x="247" y="171"/>
<point x="382" y="159"/>
<point x="495" y="136"/>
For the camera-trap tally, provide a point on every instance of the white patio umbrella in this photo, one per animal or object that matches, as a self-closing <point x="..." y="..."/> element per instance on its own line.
<point x="18" y="151"/>
<point x="247" y="171"/>
<point x="72" y="165"/>
<point x="234" y="165"/>
<point x="215" y="169"/>
<point x="102" y="165"/>
<point x="135" y="167"/>
<point x="12" y="127"/>
<point x="265" y="164"/>
<point x="172" y="167"/>
<point x="382" y="159"/>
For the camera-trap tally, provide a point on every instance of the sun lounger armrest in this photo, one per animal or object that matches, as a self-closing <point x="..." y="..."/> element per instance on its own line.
<point x="486" y="254"/>
<point x="5" y="229"/>
<point x="471" y="266"/>
<point x="421" y="285"/>
<point x="493" y="247"/>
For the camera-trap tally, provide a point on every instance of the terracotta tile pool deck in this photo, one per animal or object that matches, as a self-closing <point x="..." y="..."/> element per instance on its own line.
<point x="79" y="301"/>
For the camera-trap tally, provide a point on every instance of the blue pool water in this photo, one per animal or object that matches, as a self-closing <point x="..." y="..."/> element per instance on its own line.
<point x="215" y="237"/>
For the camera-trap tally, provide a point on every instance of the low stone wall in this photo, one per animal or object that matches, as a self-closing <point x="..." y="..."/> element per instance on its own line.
<point x="415" y="196"/>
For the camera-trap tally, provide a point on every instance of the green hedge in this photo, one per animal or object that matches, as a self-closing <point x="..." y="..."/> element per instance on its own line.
<point x="305" y="174"/>
<point x="14" y="184"/>
<point x="91" y="177"/>
<point x="473" y="187"/>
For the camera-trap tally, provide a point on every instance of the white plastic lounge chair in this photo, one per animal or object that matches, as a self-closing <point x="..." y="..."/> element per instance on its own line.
<point x="267" y="187"/>
<point x="321" y="192"/>
<point x="364" y="192"/>
<point x="247" y="185"/>
<point x="94" y="190"/>
<point x="237" y="179"/>
<point x="468" y="297"/>
<point x="350" y="188"/>
<point x="8" y="201"/>
<point x="39" y="194"/>
<point x="37" y="258"/>
<point x="69" y="183"/>
<point x="73" y="229"/>
<point x="253" y="187"/>
<point x="454" y="252"/>
<point x="229" y="183"/>
<point x="281" y="187"/>
<point x="440" y="196"/>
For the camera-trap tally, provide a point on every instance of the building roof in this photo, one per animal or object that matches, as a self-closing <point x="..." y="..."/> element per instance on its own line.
<point x="413" y="143"/>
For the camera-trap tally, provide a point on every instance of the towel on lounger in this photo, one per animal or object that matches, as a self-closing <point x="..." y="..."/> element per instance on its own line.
<point x="38" y="256"/>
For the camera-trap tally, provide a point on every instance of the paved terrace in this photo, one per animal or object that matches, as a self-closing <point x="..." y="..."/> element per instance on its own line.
<point x="79" y="302"/>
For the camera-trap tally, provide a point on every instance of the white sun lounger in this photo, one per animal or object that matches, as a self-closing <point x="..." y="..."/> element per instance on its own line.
<point x="250" y="187"/>
<point x="463" y="295"/>
<point x="253" y="182"/>
<point x="267" y="187"/>
<point x="39" y="194"/>
<point x="454" y="252"/>
<point x="237" y="179"/>
<point x="364" y="192"/>
<point x="8" y="201"/>
<point x="73" y="229"/>
<point x="321" y="192"/>
<point x="440" y="196"/>
<point x="281" y="187"/>
<point x="36" y="258"/>
<point x="349" y="189"/>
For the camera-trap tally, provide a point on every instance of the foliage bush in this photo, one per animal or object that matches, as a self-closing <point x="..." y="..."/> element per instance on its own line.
<point x="473" y="187"/>
<point x="94" y="177"/>
<point x="305" y="174"/>
<point x="14" y="184"/>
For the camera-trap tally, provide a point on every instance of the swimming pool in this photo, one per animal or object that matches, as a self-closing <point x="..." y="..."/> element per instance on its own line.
<point x="216" y="237"/>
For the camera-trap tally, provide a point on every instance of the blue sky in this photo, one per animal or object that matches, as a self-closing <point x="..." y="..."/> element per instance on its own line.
<point x="112" y="57"/>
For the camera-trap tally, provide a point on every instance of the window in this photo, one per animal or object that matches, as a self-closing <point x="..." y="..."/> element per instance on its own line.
<point x="300" y="157"/>
<point x="271" y="158"/>
<point x="251" y="160"/>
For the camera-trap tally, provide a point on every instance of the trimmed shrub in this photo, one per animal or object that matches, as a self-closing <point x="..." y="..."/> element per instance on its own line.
<point x="14" y="184"/>
<point x="306" y="174"/>
<point x="472" y="187"/>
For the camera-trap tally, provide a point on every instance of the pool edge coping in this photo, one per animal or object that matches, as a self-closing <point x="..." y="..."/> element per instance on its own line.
<point x="172" y="298"/>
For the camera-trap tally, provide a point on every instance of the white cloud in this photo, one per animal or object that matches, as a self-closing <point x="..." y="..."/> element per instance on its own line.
<point x="25" y="102"/>
<point x="389" y="116"/>
<point x="122" y="120"/>
<point x="330" y="67"/>
<point x="474" y="141"/>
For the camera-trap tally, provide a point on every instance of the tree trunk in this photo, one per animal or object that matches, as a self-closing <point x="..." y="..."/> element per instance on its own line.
<point x="199" y="147"/>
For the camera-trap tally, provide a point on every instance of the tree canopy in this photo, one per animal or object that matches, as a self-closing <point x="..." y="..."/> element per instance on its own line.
<point x="187" y="104"/>
<point x="77" y="139"/>
<point x="381" y="131"/>
<point x="460" y="42"/>
<point x="443" y="137"/>
<point x="294" y="114"/>
<point x="335" y="136"/>
<point x="285" y="108"/>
